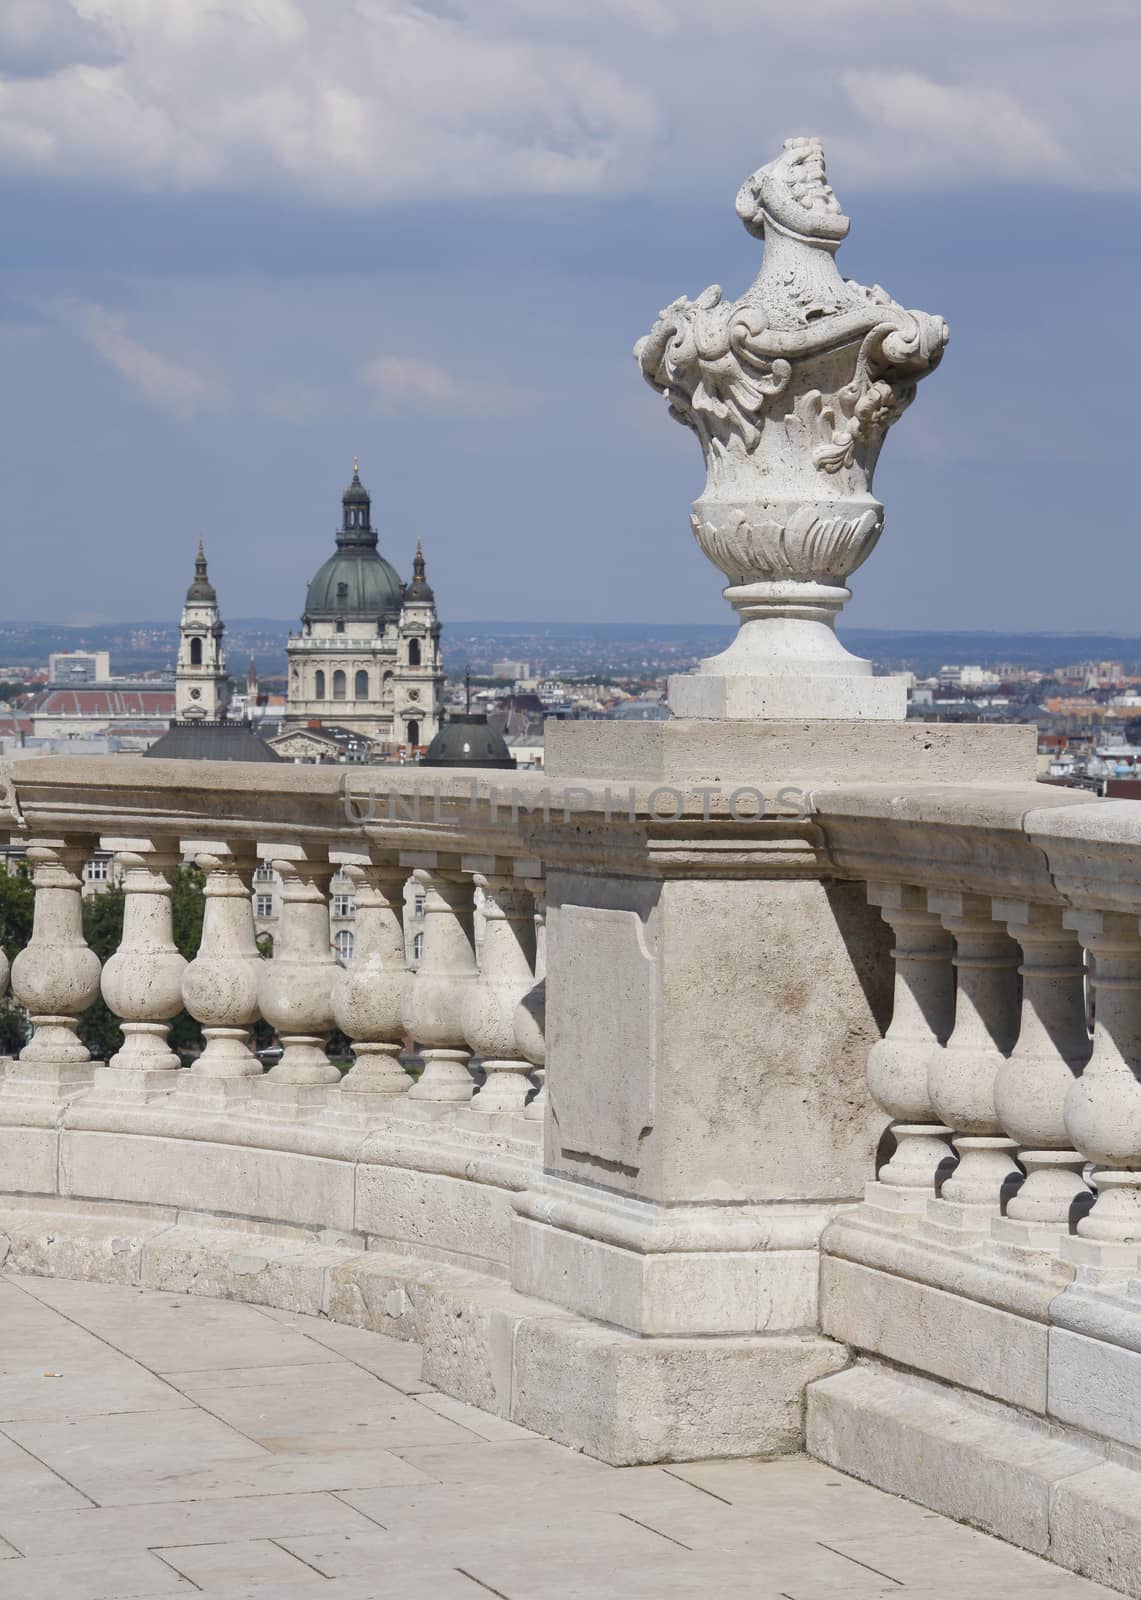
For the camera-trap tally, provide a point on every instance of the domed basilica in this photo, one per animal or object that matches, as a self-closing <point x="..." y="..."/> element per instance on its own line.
<point x="368" y="654"/>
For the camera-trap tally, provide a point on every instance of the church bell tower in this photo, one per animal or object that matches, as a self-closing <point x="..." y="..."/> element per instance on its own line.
<point x="201" y="688"/>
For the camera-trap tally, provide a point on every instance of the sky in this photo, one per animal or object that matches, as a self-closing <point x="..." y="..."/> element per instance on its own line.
<point x="242" y="240"/>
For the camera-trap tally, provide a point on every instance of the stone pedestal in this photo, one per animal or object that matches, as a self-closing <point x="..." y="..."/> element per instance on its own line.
<point x="712" y="994"/>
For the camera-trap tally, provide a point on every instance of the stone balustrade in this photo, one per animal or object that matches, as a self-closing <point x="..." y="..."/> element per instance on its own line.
<point x="459" y="1010"/>
<point x="643" y="1103"/>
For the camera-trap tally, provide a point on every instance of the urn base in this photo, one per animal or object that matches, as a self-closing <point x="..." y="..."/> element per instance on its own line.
<point x="788" y="695"/>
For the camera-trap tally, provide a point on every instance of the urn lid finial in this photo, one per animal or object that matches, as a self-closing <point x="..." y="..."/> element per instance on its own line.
<point x="793" y="191"/>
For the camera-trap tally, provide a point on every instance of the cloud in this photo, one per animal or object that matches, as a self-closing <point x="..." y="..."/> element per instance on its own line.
<point x="950" y="130"/>
<point x="353" y="102"/>
<point x="166" y="384"/>
<point x="407" y="385"/>
<point x="367" y="102"/>
<point x="38" y="37"/>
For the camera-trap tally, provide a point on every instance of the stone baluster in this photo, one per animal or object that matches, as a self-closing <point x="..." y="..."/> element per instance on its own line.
<point x="531" y="1015"/>
<point x="433" y="1007"/>
<point x="922" y="1017"/>
<point x="506" y="973"/>
<point x="56" y="975"/>
<point x="1103" y="1106"/>
<point x="295" y="987"/>
<point x="142" y="981"/>
<point x="368" y="994"/>
<point x="220" y="986"/>
<point x="961" y="1075"/>
<point x="1031" y="1085"/>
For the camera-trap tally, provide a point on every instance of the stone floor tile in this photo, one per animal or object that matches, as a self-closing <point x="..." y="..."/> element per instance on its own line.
<point x="269" y="1377"/>
<point x="27" y="1485"/>
<point x="77" y="1577"/>
<point x="345" y="1554"/>
<point x="478" y="1422"/>
<point x="397" y="1361"/>
<point x="98" y="1529"/>
<point x="286" y="1414"/>
<point x="220" y="1568"/>
<point x="516" y="1461"/>
<point x="77" y="1385"/>
<point x="533" y="1542"/>
<point x="427" y="1583"/>
<point x="178" y="1333"/>
<point x="266" y="1474"/>
<point x="97" y="1453"/>
<point x="977" y="1558"/>
<point x="324" y="1513"/>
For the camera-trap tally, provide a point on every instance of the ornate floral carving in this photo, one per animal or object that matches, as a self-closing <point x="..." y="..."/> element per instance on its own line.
<point x="805" y="545"/>
<point x="791" y="390"/>
<point x="705" y="358"/>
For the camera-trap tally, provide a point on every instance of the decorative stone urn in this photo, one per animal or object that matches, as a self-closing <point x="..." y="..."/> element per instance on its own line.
<point x="791" y="390"/>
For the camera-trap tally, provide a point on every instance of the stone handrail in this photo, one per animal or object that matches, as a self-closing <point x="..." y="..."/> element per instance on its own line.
<point x="152" y="814"/>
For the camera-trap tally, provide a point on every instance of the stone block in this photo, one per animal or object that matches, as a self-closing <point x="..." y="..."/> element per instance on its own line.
<point x="29" y="1159"/>
<point x="96" y="1249"/>
<point x="1095" y="1525"/>
<point x="433" y="1212"/>
<point x="773" y="753"/>
<point x="1096" y="1386"/>
<point x="232" y="1266"/>
<point x="234" y="1179"/>
<point x="993" y="1352"/>
<point x="787" y="695"/>
<point x="676" y="1292"/>
<point x="633" y="1401"/>
<point x="681" y="1079"/>
<point x="947" y="1451"/>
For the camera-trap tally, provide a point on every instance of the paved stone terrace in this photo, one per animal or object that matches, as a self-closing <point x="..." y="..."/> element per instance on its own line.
<point x="155" y="1444"/>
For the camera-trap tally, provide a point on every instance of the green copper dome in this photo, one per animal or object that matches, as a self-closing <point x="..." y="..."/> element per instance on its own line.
<point x="465" y="740"/>
<point x="356" y="584"/>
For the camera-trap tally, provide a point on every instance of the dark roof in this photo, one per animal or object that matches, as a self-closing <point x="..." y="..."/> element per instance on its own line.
<point x="356" y="583"/>
<point x="465" y="740"/>
<point x="201" y="589"/>
<point x="211" y="741"/>
<point x="419" y="588"/>
<point x="356" y="494"/>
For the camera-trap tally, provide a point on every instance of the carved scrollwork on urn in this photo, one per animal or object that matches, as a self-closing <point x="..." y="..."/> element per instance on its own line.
<point x="791" y="390"/>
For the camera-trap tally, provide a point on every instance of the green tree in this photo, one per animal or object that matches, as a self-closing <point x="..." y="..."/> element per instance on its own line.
<point x="188" y="906"/>
<point x="103" y="930"/>
<point x="17" y="904"/>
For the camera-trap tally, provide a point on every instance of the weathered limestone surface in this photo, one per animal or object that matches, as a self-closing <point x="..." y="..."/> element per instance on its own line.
<point x="983" y="1465"/>
<point x="791" y="391"/>
<point x="783" y="753"/>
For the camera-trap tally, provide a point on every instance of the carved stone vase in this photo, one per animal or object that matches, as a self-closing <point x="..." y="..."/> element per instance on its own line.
<point x="791" y="390"/>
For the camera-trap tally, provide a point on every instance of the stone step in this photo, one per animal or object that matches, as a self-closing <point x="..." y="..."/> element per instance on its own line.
<point x="1052" y="1491"/>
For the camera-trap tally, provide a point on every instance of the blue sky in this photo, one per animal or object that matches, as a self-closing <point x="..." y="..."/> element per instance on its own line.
<point x="244" y="240"/>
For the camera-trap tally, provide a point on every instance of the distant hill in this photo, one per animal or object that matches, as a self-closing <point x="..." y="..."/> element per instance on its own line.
<point x="147" y="646"/>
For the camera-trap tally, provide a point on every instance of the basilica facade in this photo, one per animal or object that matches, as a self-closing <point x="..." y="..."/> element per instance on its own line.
<point x="367" y="657"/>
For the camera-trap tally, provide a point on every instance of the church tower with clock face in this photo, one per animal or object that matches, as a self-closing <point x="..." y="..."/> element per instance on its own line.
<point x="201" y="687"/>
<point x="367" y="657"/>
